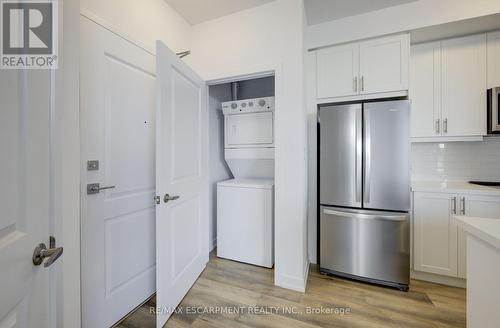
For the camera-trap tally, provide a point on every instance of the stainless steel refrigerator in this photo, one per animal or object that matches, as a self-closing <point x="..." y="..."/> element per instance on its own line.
<point x="364" y="188"/>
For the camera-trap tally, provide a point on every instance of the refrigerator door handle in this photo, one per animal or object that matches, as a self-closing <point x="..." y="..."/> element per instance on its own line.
<point x="359" y="155"/>
<point x="366" y="216"/>
<point x="368" y="158"/>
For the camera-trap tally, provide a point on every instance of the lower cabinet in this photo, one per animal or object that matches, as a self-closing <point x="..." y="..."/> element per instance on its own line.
<point x="435" y="234"/>
<point x="439" y="246"/>
<point x="474" y="206"/>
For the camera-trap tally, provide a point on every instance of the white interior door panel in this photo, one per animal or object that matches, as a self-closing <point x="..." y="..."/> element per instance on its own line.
<point x="181" y="171"/>
<point x="25" y="197"/>
<point x="117" y="110"/>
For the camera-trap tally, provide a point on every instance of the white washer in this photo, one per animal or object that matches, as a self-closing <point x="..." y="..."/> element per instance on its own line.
<point x="245" y="204"/>
<point x="245" y="221"/>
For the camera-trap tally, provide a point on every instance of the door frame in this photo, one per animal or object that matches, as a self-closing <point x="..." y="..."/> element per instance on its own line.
<point x="270" y="69"/>
<point x="66" y="170"/>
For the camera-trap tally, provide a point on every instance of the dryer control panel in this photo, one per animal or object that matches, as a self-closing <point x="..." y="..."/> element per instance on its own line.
<point x="255" y="105"/>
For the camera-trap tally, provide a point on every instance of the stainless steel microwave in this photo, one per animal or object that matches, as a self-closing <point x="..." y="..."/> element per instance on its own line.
<point x="494" y="110"/>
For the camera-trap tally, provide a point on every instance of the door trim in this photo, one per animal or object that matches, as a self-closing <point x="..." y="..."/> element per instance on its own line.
<point x="66" y="176"/>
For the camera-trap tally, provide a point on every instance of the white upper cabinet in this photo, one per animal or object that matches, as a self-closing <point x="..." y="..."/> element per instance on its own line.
<point x="463" y="80"/>
<point x="383" y="64"/>
<point x="493" y="59"/>
<point x="359" y="70"/>
<point x="425" y="91"/>
<point x="337" y="71"/>
<point x="448" y="89"/>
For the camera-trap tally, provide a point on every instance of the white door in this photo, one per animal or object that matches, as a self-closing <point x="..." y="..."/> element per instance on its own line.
<point x="181" y="171"/>
<point x="435" y="234"/>
<point x="337" y="71"/>
<point x="464" y="86"/>
<point x="384" y="64"/>
<point x="475" y="206"/>
<point x="425" y="92"/>
<point x="117" y="112"/>
<point x="25" y="199"/>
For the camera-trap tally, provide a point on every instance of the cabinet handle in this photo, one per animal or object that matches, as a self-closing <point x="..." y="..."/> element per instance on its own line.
<point x="362" y="83"/>
<point x="445" y="125"/>
<point x="462" y="209"/>
<point x="355" y="84"/>
<point x="454" y="205"/>
<point x="438" y="128"/>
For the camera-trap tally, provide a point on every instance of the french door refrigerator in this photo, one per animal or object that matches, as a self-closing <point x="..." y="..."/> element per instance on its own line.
<point x="364" y="188"/>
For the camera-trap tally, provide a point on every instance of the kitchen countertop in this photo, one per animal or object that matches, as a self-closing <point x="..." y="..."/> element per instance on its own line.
<point x="453" y="186"/>
<point x="488" y="230"/>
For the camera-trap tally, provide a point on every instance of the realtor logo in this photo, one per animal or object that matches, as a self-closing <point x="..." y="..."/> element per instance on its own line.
<point x="28" y="34"/>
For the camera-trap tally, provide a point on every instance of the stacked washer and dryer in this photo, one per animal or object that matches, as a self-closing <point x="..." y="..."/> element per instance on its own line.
<point x="245" y="204"/>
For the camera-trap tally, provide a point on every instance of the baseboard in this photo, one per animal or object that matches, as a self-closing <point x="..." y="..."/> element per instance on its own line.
<point x="439" y="279"/>
<point x="293" y="283"/>
<point x="212" y="245"/>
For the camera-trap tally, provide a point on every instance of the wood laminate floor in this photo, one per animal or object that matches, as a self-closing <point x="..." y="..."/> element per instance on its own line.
<point x="226" y="286"/>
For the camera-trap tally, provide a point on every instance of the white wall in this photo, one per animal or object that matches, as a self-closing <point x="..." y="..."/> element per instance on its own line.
<point x="397" y="19"/>
<point x="255" y="40"/>
<point x="457" y="161"/>
<point x="218" y="171"/>
<point x="143" y="21"/>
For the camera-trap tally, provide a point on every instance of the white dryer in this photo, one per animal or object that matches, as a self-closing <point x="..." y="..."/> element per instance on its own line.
<point x="245" y="204"/>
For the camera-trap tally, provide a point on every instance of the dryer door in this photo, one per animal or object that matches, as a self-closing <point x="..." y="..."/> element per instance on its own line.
<point x="249" y="130"/>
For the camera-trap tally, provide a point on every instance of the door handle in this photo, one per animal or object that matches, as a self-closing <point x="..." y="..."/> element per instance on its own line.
<point x="366" y="216"/>
<point x="359" y="156"/>
<point x="368" y="158"/>
<point x="167" y="198"/>
<point x="95" y="188"/>
<point x="41" y="252"/>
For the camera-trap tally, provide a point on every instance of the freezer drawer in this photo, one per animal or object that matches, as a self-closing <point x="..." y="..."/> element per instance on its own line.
<point x="371" y="245"/>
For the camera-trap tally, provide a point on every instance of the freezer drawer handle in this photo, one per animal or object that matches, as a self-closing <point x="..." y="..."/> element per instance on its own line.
<point x="366" y="216"/>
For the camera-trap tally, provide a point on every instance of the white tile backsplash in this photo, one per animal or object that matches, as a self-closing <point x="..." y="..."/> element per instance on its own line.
<point x="457" y="161"/>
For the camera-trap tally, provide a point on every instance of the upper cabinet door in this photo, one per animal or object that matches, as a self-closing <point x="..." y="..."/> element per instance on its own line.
<point x="493" y="59"/>
<point x="384" y="64"/>
<point x="463" y="77"/>
<point x="425" y="92"/>
<point x="337" y="71"/>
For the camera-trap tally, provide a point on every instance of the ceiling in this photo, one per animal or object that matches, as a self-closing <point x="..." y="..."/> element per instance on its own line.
<point x="320" y="11"/>
<point x="317" y="11"/>
<point x="198" y="11"/>
<point x="454" y="29"/>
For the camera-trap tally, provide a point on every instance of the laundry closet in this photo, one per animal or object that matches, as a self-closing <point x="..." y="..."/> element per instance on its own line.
<point x="241" y="160"/>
